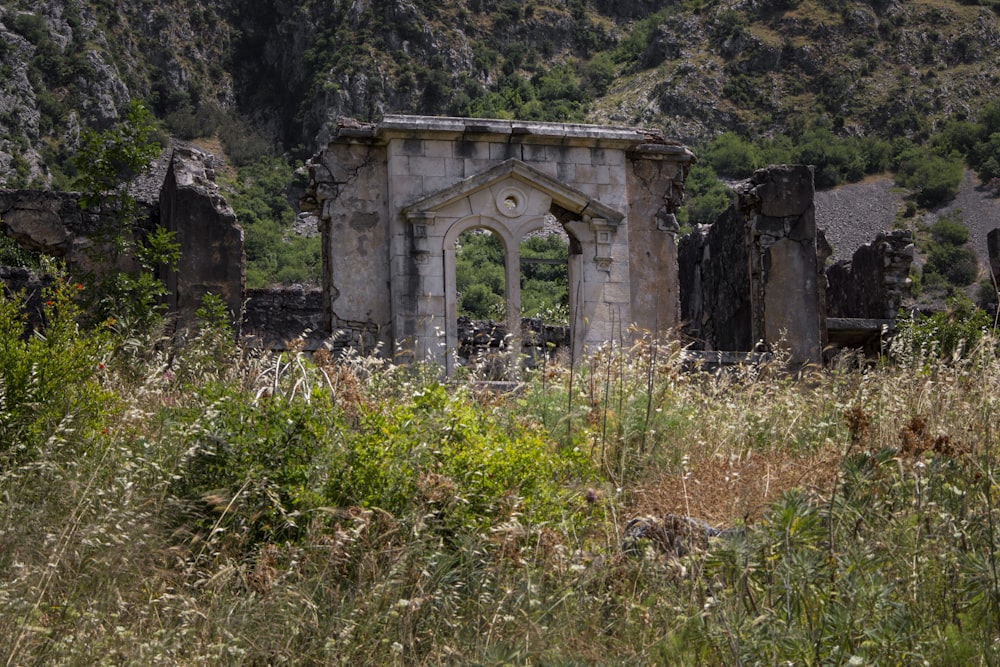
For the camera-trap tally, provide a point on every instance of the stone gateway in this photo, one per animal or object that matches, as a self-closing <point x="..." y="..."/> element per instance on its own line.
<point x="394" y="196"/>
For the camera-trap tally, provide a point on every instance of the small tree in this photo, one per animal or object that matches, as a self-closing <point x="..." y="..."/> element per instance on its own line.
<point x="107" y="165"/>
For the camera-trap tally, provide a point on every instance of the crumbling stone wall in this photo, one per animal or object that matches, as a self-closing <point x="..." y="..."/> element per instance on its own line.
<point x="212" y="260"/>
<point x="993" y="248"/>
<point x="393" y="197"/>
<point x="55" y="224"/>
<point x="189" y="204"/>
<point x="753" y="276"/>
<point x="273" y="318"/>
<point x="874" y="282"/>
<point x="715" y="285"/>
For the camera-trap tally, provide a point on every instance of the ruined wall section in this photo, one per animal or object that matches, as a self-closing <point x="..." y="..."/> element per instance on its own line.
<point x="54" y="223"/>
<point x="212" y="259"/>
<point x="715" y="285"/>
<point x="874" y="282"/>
<point x="348" y="186"/>
<point x="393" y="197"/>
<point x="431" y="155"/>
<point x="655" y="181"/>
<point x="753" y="276"/>
<point x="778" y="202"/>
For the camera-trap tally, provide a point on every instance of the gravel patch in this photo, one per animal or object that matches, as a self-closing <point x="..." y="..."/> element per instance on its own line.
<point x="853" y="214"/>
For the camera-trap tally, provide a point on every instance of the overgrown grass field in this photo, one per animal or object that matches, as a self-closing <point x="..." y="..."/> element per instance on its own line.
<point x="213" y="505"/>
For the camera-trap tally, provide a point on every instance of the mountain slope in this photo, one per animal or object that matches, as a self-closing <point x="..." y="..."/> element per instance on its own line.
<point x="693" y="67"/>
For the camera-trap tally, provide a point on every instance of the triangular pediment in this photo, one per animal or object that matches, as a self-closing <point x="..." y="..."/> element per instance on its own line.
<point x="562" y="195"/>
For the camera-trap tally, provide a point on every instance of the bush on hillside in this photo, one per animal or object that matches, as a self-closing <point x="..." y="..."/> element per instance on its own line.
<point x="933" y="178"/>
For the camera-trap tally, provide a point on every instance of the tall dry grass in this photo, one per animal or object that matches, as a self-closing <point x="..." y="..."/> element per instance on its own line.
<point x="220" y="507"/>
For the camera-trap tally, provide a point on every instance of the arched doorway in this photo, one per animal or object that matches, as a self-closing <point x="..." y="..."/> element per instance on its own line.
<point x="511" y="200"/>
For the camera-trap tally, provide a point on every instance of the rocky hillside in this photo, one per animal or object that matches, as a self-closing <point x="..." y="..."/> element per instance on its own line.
<point x="282" y="72"/>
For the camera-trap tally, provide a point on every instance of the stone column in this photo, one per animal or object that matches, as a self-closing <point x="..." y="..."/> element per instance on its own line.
<point x="781" y="233"/>
<point x="993" y="246"/>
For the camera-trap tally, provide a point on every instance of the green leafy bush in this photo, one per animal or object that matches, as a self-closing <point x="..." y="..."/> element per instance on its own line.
<point x="50" y="390"/>
<point x="705" y="197"/>
<point x="730" y="155"/>
<point x="942" y="334"/>
<point x="474" y="468"/>
<point x="934" y="179"/>
<point x="275" y="254"/>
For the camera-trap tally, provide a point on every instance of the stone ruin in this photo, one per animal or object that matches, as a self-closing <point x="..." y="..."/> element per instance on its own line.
<point x="180" y="194"/>
<point x="993" y="248"/>
<point x="392" y="198"/>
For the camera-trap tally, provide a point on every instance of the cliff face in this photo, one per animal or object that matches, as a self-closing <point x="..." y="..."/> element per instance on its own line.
<point x="292" y="68"/>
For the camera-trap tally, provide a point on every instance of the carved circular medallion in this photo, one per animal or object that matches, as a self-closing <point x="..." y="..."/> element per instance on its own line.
<point x="511" y="202"/>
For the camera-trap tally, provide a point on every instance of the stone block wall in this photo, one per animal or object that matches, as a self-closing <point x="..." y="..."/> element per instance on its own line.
<point x="715" y="285"/>
<point x="393" y="197"/>
<point x="189" y="204"/>
<point x="993" y="248"/>
<point x="753" y="276"/>
<point x="874" y="282"/>
<point x="212" y="260"/>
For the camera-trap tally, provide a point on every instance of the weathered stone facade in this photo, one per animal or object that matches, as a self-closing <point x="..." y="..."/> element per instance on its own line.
<point x="993" y="247"/>
<point x="874" y="282"/>
<point x="394" y="196"/>
<point x="752" y="278"/>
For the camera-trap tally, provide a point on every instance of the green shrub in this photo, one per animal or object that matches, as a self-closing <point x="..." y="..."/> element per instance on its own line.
<point x="275" y="254"/>
<point x="730" y="155"/>
<point x="50" y="392"/>
<point x="933" y="178"/>
<point x="950" y="230"/>
<point x="473" y="467"/>
<point x="942" y="334"/>
<point x="705" y="197"/>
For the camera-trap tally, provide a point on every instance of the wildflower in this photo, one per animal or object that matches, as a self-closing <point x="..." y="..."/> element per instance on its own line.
<point x="78" y="287"/>
<point x="50" y="303"/>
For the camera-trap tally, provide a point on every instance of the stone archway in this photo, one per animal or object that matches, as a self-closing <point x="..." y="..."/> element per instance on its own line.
<point x="388" y="193"/>
<point x="511" y="200"/>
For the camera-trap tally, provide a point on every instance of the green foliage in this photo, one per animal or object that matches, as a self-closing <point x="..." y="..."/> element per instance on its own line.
<point x="473" y="467"/>
<point x="49" y="385"/>
<point x="14" y="254"/>
<point x="950" y="262"/>
<point x="544" y="287"/>
<point x="730" y="155"/>
<point x="479" y="275"/>
<point x="956" y="330"/>
<point x="107" y="162"/>
<point x="274" y="462"/>
<point x="106" y="165"/>
<point x="950" y="230"/>
<point x="705" y="197"/>
<point x="934" y="179"/>
<point x="275" y="254"/>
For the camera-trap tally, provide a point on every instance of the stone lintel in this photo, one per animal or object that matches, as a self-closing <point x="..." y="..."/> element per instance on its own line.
<point x="658" y="151"/>
<point x="564" y="196"/>
<point x="443" y="127"/>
